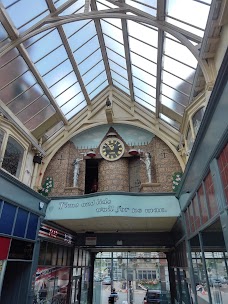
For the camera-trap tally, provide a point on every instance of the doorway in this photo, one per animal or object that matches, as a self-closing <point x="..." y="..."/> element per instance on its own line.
<point x="91" y="176"/>
<point x="16" y="281"/>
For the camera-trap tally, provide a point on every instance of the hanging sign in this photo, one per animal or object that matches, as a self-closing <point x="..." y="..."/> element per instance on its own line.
<point x="49" y="232"/>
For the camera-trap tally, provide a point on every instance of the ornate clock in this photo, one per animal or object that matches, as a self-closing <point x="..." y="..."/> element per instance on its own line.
<point x="112" y="148"/>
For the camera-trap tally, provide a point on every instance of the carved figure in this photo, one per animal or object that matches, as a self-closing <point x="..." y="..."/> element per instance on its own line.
<point x="147" y="162"/>
<point x="76" y="164"/>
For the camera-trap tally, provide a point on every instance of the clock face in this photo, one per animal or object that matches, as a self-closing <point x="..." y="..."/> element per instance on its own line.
<point x="112" y="148"/>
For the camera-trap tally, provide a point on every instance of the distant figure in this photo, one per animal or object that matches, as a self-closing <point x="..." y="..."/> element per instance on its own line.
<point x="76" y="171"/>
<point x="108" y="102"/>
<point x="147" y="162"/>
<point x="113" y="296"/>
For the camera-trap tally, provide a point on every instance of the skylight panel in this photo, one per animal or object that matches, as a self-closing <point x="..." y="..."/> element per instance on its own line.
<point x="176" y="83"/>
<point x="10" y="72"/>
<point x="58" y="73"/>
<point x="112" y="31"/>
<point x="97" y="90"/>
<point x="44" y="46"/>
<point x="143" y="49"/>
<point x="144" y="96"/>
<point x="58" y="3"/>
<point x="116" y="58"/>
<point x="171" y="122"/>
<point x="189" y="15"/>
<point x="143" y="33"/>
<point x="148" y="6"/>
<point x="87" y="49"/>
<point x="91" y="73"/>
<point x="72" y="103"/>
<point x="119" y="78"/>
<point x="4" y="38"/>
<point x="40" y="117"/>
<point x="73" y="27"/>
<point x="90" y="61"/>
<point x="174" y="106"/>
<point x="145" y="64"/>
<point x="140" y="74"/>
<point x="114" y="45"/>
<point x="90" y="66"/>
<point x="75" y="8"/>
<point x="76" y="110"/>
<point x="36" y="9"/>
<point x="179" y="52"/>
<point x="68" y="93"/>
<point x="179" y="97"/>
<point x="50" y="61"/>
<point x="145" y="104"/>
<point x="96" y="81"/>
<point x="144" y="87"/>
<point x="103" y="4"/>
<point x="82" y="36"/>
<point x="121" y="86"/>
<point x="178" y="69"/>
<point x="118" y="69"/>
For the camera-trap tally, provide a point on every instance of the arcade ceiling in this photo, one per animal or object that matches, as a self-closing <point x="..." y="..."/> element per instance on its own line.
<point x="60" y="60"/>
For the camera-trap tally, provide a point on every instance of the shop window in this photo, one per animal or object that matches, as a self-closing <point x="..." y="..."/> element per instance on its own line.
<point x="223" y="166"/>
<point x="32" y="226"/>
<point x="202" y="205"/>
<point x="7" y="218"/>
<point x="196" y="212"/>
<point x="13" y="156"/>
<point x="210" y="193"/>
<point x="196" y="119"/>
<point x="21" y="222"/>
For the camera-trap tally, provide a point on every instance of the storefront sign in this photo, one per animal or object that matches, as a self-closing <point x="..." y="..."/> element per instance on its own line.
<point x="49" y="232"/>
<point x="114" y="205"/>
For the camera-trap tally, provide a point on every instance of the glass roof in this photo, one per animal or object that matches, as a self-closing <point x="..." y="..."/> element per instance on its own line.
<point x="70" y="51"/>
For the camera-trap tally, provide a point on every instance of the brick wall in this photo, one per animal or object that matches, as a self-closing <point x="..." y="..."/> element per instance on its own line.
<point x="112" y="176"/>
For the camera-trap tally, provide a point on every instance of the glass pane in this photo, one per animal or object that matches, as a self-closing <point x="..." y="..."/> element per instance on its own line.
<point x="72" y="103"/>
<point x="179" y="69"/>
<point x="68" y="94"/>
<point x="75" y="110"/>
<point x="176" y="83"/>
<point x="175" y="95"/>
<point x="98" y="90"/>
<point x="114" y="45"/>
<point x="146" y="8"/>
<point x="21" y="222"/>
<point x="140" y="74"/>
<point x="120" y="79"/>
<point x="45" y="45"/>
<point x="144" y="64"/>
<point x="189" y="11"/>
<point x="116" y="58"/>
<point x="143" y="33"/>
<point x="143" y="49"/>
<point x="7" y="218"/>
<point x="95" y="58"/>
<point x="180" y="52"/>
<point x="87" y="49"/>
<point x="73" y="27"/>
<point x="121" y="87"/>
<point x="13" y="157"/>
<point x="33" y="9"/>
<point x="118" y="69"/>
<point x="145" y="104"/>
<point x="76" y="7"/>
<point x="170" y="121"/>
<point x="112" y="31"/>
<point x="144" y="96"/>
<point x="96" y="82"/>
<point x="32" y="226"/>
<point x="172" y="105"/>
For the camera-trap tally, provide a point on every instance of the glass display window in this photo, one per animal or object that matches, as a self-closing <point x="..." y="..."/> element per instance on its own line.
<point x="13" y="156"/>
<point x="196" y="119"/>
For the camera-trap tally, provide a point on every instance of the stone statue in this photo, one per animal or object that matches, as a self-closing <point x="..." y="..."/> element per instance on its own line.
<point x="76" y="171"/>
<point x="147" y="162"/>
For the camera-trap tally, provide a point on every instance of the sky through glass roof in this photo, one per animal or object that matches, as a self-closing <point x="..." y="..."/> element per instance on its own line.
<point x="61" y="69"/>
